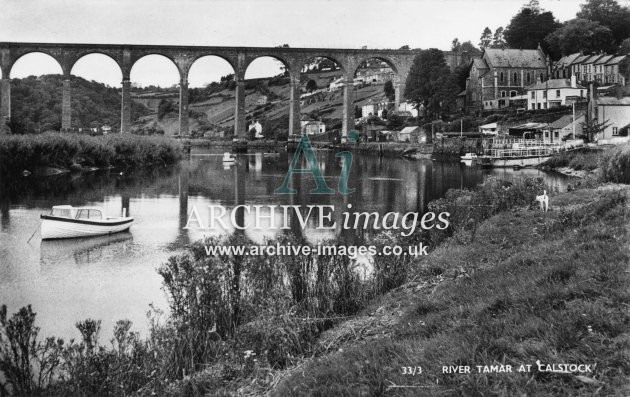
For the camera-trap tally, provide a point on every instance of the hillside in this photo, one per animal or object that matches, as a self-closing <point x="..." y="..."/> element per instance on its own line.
<point x="212" y="108"/>
<point x="36" y="104"/>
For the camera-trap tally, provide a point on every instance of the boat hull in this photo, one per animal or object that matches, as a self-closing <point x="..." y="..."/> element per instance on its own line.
<point x="513" y="161"/>
<point x="57" y="228"/>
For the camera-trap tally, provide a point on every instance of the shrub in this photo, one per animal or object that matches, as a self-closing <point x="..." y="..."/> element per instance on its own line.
<point x="615" y="164"/>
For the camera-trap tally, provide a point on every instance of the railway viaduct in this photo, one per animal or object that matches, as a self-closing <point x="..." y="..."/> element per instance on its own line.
<point x="184" y="56"/>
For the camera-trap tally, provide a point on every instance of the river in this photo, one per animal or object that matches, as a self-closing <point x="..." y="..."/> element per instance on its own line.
<point x="114" y="277"/>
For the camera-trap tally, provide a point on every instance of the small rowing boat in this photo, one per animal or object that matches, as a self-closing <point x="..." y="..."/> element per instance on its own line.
<point x="66" y="221"/>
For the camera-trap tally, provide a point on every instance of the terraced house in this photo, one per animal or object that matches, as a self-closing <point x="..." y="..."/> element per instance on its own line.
<point x="600" y="68"/>
<point x="501" y="76"/>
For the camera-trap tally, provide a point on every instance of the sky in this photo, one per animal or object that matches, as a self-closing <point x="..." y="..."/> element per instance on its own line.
<point x="299" y="23"/>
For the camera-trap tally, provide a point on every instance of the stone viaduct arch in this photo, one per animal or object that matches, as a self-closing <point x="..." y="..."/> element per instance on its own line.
<point x="184" y="56"/>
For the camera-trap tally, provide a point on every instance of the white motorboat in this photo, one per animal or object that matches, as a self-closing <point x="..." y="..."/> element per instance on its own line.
<point x="228" y="157"/>
<point x="66" y="221"/>
<point x="469" y="156"/>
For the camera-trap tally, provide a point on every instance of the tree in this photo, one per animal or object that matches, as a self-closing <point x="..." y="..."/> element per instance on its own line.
<point x="389" y="90"/>
<point x="165" y="107"/>
<point x="486" y="38"/>
<point x="430" y="83"/>
<point x="608" y="13"/>
<point x="405" y="47"/>
<point x="591" y="128"/>
<point x="460" y="75"/>
<point x="455" y="44"/>
<point x="580" y="35"/>
<point x="498" y="39"/>
<point x="311" y="85"/>
<point x="624" y="47"/>
<point x="529" y="27"/>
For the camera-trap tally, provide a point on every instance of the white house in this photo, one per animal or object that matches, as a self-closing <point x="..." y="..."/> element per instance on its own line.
<point x="410" y="134"/>
<point x="373" y="107"/>
<point x="564" y="128"/>
<point x="488" y="129"/>
<point x="554" y="93"/>
<point x="616" y="114"/>
<point x="408" y="107"/>
<point x="257" y="127"/>
<point x="311" y="127"/>
<point x="262" y="100"/>
<point x="336" y="84"/>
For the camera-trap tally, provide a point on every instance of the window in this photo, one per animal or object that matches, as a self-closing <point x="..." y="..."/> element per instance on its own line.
<point x="546" y="134"/>
<point x="89" y="214"/>
<point x="533" y="106"/>
<point x="533" y="94"/>
<point x="501" y="77"/>
<point x="512" y="93"/>
<point x="557" y="93"/>
<point x="65" y="212"/>
<point x="502" y="94"/>
<point x="529" y="78"/>
<point x="515" y="77"/>
<point x="581" y="93"/>
<point x="541" y="77"/>
<point x="615" y="131"/>
<point x="544" y="106"/>
<point x="539" y="106"/>
<point x="544" y="94"/>
<point x="556" y="134"/>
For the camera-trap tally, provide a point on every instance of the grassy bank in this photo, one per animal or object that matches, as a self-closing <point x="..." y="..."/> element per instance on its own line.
<point x="579" y="160"/>
<point x="29" y="152"/>
<point x="613" y="163"/>
<point x="533" y="286"/>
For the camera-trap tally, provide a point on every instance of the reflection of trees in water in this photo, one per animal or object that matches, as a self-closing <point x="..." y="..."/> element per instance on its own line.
<point x="76" y="189"/>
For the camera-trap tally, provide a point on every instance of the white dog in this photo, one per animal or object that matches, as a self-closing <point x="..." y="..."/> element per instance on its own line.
<point x="543" y="199"/>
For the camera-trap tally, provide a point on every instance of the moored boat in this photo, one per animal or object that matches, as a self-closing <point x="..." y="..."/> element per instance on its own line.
<point x="228" y="158"/>
<point x="522" y="152"/>
<point x="66" y="221"/>
<point x="469" y="156"/>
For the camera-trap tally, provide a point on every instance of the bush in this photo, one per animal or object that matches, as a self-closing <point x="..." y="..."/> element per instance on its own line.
<point x="468" y="208"/>
<point x="615" y="164"/>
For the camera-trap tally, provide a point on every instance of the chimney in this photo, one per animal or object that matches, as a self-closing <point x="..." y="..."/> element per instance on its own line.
<point x="573" y="81"/>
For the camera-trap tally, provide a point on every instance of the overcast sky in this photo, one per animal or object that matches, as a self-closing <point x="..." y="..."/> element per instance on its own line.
<point x="313" y="23"/>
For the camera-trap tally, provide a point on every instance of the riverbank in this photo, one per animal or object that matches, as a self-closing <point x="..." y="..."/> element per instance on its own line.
<point x="607" y="163"/>
<point x="556" y="293"/>
<point x="53" y="153"/>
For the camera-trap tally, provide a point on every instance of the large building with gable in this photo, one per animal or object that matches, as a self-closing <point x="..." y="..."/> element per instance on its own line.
<point x="501" y="76"/>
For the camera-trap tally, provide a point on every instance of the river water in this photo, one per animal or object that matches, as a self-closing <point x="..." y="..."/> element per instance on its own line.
<point x="114" y="277"/>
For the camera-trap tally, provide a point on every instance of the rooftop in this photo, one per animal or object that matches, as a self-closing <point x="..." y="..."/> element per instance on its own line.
<point x="604" y="59"/>
<point x="609" y="100"/>
<point x="512" y="58"/>
<point x="591" y="59"/>
<point x="566" y="120"/>
<point x="553" y="84"/>
<point x="616" y="60"/>
<point x="568" y="59"/>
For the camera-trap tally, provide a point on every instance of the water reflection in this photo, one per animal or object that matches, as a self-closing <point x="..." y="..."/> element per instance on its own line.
<point x="114" y="277"/>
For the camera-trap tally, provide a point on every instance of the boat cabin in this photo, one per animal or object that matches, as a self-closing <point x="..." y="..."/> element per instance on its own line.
<point x="68" y="211"/>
